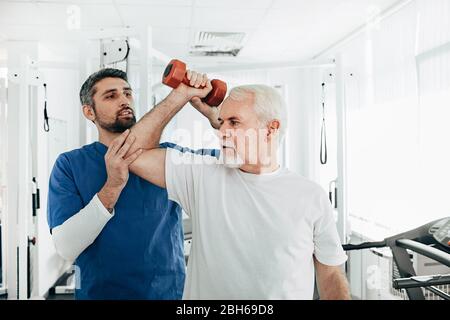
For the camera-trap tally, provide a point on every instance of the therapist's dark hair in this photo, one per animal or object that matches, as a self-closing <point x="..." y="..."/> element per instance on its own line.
<point x="88" y="88"/>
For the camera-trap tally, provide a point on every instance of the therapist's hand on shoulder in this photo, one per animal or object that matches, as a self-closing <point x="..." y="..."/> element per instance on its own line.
<point x="117" y="168"/>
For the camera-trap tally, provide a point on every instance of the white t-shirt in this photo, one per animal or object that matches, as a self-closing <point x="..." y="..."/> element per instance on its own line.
<point x="253" y="236"/>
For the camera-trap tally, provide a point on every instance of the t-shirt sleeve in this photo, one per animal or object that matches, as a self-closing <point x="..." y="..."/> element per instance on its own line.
<point x="205" y="152"/>
<point x="64" y="199"/>
<point x="327" y="245"/>
<point x="184" y="171"/>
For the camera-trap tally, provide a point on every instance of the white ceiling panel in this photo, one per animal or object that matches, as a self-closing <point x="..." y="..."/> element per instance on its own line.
<point x="308" y="4"/>
<point x="64" y="2"/>
<point x="172" y="50"/>
<point x="170" y="35"/>
<point x="271" y="43"/>
<point x="330" y="14"/>
<point x="235" y="4"/>
<point x="235" y="18"/>
<point x="166" y="3"/>
<point x="26" y="13"/>
<point x="274" y="48"/>
<point x="156" y="16"/>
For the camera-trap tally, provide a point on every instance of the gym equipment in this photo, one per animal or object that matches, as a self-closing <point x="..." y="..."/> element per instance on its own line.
<point x="431" y="240"/>
<point x="114" y="51"/>
<point x="175" y="73"/>
<point x="323" y="132"/>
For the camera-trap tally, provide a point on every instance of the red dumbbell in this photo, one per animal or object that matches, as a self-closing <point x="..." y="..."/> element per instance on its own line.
<point x="175" y="74"/>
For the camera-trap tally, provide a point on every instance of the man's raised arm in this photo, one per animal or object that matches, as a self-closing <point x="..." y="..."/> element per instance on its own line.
<point x="150" y="165"/>
<point x="148" y="130"/>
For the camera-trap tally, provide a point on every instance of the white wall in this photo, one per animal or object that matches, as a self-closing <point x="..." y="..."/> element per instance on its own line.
<point x="63" y="110"/>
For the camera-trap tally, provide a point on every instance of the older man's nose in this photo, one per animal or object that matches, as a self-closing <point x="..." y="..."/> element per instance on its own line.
<point x="225" y="132"/>
<point x="221" y="131"/>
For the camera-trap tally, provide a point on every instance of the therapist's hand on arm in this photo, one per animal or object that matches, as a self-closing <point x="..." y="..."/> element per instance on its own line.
<point x="117" y="168"/>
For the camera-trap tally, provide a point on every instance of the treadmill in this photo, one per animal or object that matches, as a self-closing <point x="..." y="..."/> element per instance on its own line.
<point x="431" y="240"/>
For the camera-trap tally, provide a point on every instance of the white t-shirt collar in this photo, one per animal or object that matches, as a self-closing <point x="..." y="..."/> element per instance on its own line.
<point x="262" y="176"/>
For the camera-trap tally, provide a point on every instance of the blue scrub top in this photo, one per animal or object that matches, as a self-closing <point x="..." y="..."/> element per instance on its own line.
<point x="139" y="253"/>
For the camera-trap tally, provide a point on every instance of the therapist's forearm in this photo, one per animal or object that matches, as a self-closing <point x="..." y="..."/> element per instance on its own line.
<point x="148" y="130"/>
<point x="79" y="231"/>
<point x="109" y="195"/>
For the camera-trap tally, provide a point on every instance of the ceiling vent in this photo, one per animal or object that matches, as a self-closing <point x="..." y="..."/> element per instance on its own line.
<point x="217" y="43"/>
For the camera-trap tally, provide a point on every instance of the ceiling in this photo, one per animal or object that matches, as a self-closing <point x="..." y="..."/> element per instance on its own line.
<point x="276" y="30"/>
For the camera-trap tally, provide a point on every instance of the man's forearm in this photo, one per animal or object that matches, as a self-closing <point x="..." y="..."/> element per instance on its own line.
<point x="334" y="287"/>
<point x="331" y="282"/>
<point x="148" y="130"/>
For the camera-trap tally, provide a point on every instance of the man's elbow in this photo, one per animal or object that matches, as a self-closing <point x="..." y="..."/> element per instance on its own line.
<point x="150" y="165"/>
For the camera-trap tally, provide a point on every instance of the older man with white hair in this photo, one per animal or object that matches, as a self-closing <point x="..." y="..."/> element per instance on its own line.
<point x="259" y="231"/>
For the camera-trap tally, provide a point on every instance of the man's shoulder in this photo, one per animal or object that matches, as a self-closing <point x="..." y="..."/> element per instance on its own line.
<point x="302" y="183"/>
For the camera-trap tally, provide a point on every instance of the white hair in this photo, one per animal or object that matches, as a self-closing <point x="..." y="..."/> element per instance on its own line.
<point x="268" y="104"/>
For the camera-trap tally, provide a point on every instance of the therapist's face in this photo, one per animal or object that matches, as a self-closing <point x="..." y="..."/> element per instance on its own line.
<point x="113" y="105"/>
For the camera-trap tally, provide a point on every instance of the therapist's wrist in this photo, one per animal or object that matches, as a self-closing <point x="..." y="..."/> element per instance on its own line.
<point x="109" y="195"/>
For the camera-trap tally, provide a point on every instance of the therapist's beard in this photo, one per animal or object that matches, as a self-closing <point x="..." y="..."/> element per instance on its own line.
<point x="118" y="126"/>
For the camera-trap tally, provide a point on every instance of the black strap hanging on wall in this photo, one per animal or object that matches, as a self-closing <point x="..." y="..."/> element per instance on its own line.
<point x="46" y="126"/>
<point x="323" y="132"/>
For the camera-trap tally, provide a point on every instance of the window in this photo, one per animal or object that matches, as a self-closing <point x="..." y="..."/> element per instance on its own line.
<point x="397" y="115"/>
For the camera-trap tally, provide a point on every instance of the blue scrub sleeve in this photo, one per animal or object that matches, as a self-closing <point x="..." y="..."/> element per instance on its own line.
<point x="64" y="199"/>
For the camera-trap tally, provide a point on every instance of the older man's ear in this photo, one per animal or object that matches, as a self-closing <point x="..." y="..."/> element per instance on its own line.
<point x="273" y="127"/>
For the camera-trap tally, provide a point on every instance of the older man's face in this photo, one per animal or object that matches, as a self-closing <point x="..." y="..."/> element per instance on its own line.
<point x="242" y="135"/>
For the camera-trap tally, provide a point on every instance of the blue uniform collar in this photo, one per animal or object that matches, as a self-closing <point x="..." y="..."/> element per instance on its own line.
<point x="100" y="147"/>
